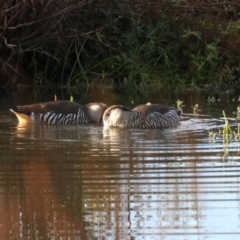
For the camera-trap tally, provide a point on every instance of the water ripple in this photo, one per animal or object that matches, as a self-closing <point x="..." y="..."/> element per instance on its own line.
<point x="86" y="182"/>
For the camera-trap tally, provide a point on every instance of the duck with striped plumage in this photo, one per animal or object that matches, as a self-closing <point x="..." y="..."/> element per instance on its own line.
<point x="142" y="116"/>
<point x="60" y="112"/>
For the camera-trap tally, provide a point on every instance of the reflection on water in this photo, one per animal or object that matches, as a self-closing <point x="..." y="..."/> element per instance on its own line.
<point x="86" y="182"/>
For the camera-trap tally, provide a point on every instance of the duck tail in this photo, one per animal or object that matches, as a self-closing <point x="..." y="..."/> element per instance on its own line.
<point x="22" y="118"/>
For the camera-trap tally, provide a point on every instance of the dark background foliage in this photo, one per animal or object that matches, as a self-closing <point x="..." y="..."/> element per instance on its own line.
<point x="180" y="43"/>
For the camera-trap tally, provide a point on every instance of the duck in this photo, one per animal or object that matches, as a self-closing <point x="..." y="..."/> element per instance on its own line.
<point x="60" y="112"/>
<point x="143" y="116"/>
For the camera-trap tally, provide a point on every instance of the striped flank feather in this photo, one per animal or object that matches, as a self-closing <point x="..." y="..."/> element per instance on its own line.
<point x="60" y="112"/>
<point x="143" y="116"/>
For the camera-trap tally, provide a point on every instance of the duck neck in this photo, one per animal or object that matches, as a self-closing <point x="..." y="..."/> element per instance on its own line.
<point x="95" y="113"/>
<point x="121" y="118"/>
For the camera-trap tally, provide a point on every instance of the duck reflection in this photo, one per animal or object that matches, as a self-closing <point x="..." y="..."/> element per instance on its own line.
<point x="59" y="133"/>
<point x="39" y="187"/>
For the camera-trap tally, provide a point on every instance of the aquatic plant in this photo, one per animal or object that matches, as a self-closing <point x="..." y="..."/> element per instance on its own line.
<point x="226" y="134"/>
<point x="238" y="112"/>
<point x="212" y="136"/>
<point x="179" y="104"/>
<point x="196" y="109"/>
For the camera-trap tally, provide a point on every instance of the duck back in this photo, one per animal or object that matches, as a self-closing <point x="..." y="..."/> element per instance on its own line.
<point x="60" y="112"/>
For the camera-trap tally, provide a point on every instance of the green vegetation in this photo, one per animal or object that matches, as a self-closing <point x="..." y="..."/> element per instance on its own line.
<point x="195" y="108"/>
<point x="179" y="104"/>
<point x="158" y="43"/>
<point x="226" y="134"/>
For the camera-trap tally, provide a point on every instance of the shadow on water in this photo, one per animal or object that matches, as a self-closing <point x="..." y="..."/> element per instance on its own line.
<point x="88" y="182"/>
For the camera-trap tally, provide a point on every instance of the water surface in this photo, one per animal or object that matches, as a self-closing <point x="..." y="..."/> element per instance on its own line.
<point x="87" y="182"/>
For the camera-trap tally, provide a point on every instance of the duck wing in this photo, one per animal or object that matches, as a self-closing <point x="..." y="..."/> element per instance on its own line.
<point x="150" y="108"/>
<point x="59" y="106"/>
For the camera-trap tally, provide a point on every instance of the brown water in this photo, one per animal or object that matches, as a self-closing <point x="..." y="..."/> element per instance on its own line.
<point x="86" y="182"/>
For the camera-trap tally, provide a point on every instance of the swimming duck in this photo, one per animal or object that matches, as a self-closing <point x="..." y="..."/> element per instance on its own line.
<point x="142" y="116"/>
<point x="60" y="112"/>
